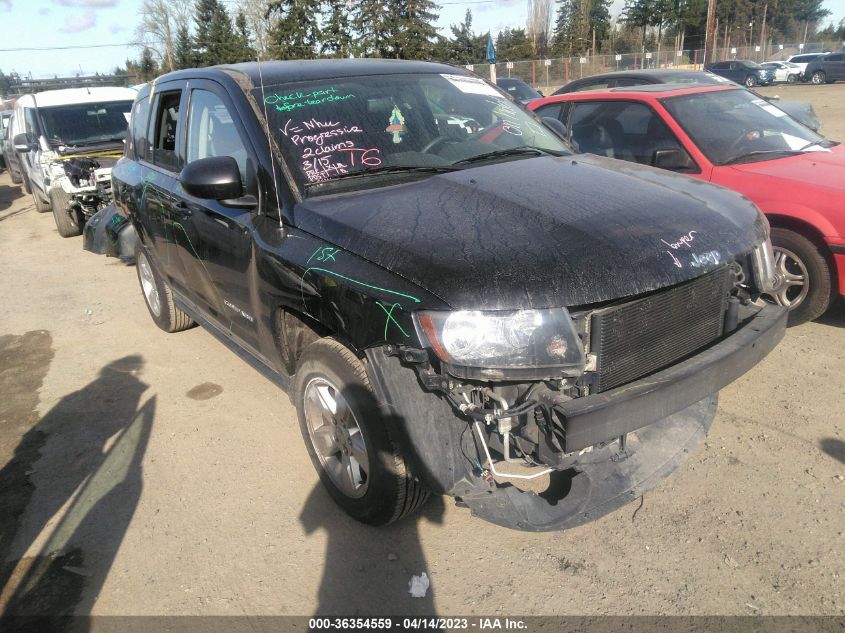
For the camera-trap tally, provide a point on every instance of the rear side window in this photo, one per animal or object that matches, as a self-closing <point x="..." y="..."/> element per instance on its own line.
<point x="552" y="110"/>
<point x="165" y="131"/>
<point x="31" y="122"/>
<point x="834" y="58"/>
<point x="138" y="139"/>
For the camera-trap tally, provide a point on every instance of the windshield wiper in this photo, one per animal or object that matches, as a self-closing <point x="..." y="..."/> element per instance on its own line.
<point x="785" y="152"/>
<point x="387" y="169"/>
<point x="513" y="151"/>
<point x="762" y="152"/>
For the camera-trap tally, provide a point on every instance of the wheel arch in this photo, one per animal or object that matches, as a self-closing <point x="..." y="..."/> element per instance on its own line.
<point x="812" y="233"/>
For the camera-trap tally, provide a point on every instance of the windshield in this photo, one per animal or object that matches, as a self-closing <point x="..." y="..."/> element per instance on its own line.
<point x="519" y="90"/>
<point x="384" y="124"/>
<point x="85" y="123"/>
<point x="736" y="125"/>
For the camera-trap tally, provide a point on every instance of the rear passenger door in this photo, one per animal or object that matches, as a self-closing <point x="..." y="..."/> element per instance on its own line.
<point x="834" y="66"/>
<point x="214" y="240"/>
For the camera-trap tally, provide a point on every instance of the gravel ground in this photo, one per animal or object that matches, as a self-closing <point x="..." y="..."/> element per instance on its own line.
<point x="146" y="473"/>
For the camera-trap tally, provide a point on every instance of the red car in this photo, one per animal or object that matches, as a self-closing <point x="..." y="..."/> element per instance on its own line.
<point x="728" y="136"/>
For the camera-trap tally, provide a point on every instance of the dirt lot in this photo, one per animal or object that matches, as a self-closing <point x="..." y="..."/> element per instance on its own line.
<point x="145" y="473"/>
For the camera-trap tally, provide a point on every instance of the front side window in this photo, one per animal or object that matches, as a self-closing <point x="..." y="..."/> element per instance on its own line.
<point x="328" y="130"/>
<point x="165" y="131"/>
<point x="86" y="123"/>
<point x="731" y="126"/>
<point x="30" y="119"/>
<point x="626" y="130"/>
<point x="212" y="131"/>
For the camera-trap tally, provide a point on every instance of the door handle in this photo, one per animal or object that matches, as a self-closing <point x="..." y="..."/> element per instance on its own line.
<point x="182" y="210"/>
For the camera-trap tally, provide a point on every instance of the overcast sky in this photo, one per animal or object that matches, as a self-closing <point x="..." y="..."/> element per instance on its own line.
<point x="40" y="23"/>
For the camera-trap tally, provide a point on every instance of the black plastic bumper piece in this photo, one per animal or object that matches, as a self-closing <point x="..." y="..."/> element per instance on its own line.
<point x="605" y="416"/>
<point x="108" y="233"/>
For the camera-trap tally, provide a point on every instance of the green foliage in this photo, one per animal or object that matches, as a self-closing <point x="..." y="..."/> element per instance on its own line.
<point x="576" y="20"/>
<point x="411" y="30"/>
<point x="513" y="44"/>
<point x="147" y="67"/>
<point x="294" y="32"/>
<point x="336" y="32"/>
<point x="183" y="52"/>
<point x="465" y="47"/>
<point x="242" y="50"/>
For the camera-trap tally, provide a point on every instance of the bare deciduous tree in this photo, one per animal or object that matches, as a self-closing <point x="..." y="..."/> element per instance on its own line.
<point x="256" y="17"/>
<point x="539" y="26"/>
<point x="160" y="20"/>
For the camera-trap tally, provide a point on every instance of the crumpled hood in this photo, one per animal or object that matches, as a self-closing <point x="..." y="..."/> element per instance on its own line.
<point x="540" y="232"/>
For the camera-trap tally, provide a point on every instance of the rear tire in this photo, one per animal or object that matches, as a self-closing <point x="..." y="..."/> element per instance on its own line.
<point x="818" y="77"/>
<point x="750" y="81"/>
<point x="792" y="79"/>
<point x="65" y="223"/>
<point x="351" y="442"/>
<point x="797" y="255"/>
<point x="158" y="295"/>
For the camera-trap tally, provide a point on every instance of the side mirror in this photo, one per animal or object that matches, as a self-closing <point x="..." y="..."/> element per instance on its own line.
<point x="673" y="159"/>
<point x="555" y="126"/>
<point x="212" y="178"/>
<point x="21" y="143"/>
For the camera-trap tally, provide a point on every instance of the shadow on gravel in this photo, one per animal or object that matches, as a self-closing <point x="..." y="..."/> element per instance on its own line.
<point x="367" y="569"/>
<point x="7" y="196"/>
<point x="833" y="447"/>
<point x="835" y="315"/>
<point x="82" y="458"/>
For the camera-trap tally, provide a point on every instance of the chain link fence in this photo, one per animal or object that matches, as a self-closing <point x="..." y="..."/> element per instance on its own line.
<point x="547" y="75"/>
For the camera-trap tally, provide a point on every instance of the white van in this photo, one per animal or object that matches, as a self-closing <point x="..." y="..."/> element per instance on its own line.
<point x="67" y="141"/>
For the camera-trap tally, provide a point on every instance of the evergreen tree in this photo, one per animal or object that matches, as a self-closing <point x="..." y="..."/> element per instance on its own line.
<point x="203" y="14"/>
<point x="147" y="67"/>
<point x="413" y="35"/>
<point x="221" y="48"/>
<point x="466" y="47"/>
<point x="513" y="44"/>
<point x="243" y="50"/>
<point x="335" y="33"/>
<point x="183" y="52"/>
<point x="372" y="23"/>
<point x="294" y="32"/>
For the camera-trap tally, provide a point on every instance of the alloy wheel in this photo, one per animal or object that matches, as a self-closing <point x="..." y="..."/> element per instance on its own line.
<point x="793" y="276"/>
<point x="148" y="285"/>
<point x="336" y="437"/>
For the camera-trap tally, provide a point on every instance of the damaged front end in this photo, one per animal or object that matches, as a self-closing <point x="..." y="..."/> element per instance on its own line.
<point x="569" y="414"/>
<point x="86" y="181"/>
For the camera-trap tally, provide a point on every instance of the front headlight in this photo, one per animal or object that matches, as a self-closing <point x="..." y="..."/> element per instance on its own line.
<point x="512" y="339"/>
<point x="763" y="260"/>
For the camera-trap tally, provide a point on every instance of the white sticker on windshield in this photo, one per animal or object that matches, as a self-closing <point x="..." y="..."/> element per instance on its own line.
<point x="472" y="85"/>
<point x="798" y="143"/>
<point x="773" y="110"/>
<point x="126" y="115"/>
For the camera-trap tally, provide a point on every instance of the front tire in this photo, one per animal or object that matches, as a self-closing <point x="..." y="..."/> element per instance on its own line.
<point x="351" y="441"/>
<point x="818" y="77"/>
<point x="16" y="176"/>
<point x="60" y="202"/>
<point x="806" y="282"/>
<point x="158" y="295"/>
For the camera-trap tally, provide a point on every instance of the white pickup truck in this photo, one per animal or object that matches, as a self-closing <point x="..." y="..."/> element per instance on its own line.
<point x="67" y="142"/>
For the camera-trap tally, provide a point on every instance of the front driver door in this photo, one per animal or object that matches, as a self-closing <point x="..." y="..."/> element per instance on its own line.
<point x="214" y="239"/>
